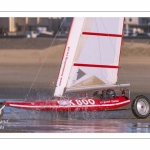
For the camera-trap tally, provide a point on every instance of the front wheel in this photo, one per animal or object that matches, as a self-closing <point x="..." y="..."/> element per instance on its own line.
<point x="1" y="113"/>
<point x="141" y="107"/>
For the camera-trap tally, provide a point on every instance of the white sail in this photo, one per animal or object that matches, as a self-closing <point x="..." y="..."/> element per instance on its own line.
<point x="91" y="57"/>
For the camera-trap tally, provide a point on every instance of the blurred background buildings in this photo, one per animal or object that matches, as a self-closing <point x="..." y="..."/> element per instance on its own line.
<point x="22" y="26"/>
<point x="137" y="26"/>
<point x="33" y="27"/>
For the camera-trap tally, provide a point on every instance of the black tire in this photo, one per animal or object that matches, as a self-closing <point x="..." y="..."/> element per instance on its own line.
<point x="141" y="107"/>
<point x="1" y="113"/>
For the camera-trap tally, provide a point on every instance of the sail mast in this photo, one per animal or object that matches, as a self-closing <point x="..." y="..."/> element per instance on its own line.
<point x="68" y="57"/>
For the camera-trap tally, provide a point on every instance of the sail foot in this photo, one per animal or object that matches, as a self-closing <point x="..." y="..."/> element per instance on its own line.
<point x="94" y="88"/>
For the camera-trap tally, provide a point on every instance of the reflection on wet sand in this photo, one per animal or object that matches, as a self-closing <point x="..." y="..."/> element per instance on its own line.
<point x="77" y="122"/>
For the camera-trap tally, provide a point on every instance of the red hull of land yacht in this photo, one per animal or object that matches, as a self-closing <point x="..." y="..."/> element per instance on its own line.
<point x="79" y="104"/>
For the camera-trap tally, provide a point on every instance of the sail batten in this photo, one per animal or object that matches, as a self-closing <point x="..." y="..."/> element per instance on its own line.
<point x="95" y="65"/>
<point x="102" y="34"/>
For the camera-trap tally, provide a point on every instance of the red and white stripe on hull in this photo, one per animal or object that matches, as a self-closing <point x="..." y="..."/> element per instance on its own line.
<point x="80" y="104"/>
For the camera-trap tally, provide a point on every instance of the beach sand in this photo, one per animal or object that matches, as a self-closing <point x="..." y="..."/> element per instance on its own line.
<point x="25" y="62"/>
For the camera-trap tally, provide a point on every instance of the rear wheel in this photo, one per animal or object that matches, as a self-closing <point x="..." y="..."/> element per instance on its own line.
<point x="141" y="107"/>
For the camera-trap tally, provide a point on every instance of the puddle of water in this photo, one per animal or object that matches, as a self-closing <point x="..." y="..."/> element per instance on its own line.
<point x="140" y="127"/>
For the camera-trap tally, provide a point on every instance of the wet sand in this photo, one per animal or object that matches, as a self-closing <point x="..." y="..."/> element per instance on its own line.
<point x="19" y="68"/>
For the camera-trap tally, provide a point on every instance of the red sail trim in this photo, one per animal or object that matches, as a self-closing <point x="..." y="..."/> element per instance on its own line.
<point x="102" y="34"/>
<point x="121" y="42"/>
<point x="95" y="65"/>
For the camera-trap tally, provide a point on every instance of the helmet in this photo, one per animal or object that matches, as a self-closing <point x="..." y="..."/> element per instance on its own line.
<point x="110" y="93"/>
<point x="97" y="94"/>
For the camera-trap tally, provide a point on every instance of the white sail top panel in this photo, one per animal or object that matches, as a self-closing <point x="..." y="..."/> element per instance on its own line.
<point x="95" y="53"/>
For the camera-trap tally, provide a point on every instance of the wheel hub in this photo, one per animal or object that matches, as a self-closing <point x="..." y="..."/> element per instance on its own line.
<point x="142" y="107"/>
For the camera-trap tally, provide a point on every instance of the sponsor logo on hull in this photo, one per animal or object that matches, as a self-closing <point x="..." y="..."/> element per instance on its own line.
<point x="85" y="102"/>
<point x="77" y="102"/>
